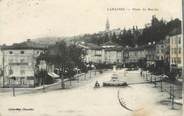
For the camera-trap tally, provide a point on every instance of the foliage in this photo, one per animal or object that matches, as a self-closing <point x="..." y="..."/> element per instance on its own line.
<point x="67" y="57"/>
<point x="43" y="78"/>
<point x="103" y="66"/>
<point x="156" y="31"/>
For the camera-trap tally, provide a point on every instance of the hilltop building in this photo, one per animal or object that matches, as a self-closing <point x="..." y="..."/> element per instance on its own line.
<point x="107" y="26"/>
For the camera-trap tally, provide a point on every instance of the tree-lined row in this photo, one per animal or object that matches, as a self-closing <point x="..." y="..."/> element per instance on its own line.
<point x="156" y="31"/>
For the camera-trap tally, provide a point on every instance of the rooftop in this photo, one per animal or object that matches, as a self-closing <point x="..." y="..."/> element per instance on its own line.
<point x="175" y="31"/>
<point x="108" y="46"/>
<point x="90" y="46"/>
<point x="25" y="45"/>
<point x="141" y="47"/>
<point x="109" y="43"/>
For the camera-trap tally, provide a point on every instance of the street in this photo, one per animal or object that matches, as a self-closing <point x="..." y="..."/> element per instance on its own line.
<point x="84" y="100"/>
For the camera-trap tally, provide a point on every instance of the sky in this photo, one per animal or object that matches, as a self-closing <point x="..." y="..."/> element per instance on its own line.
<point x="29" y="19"/>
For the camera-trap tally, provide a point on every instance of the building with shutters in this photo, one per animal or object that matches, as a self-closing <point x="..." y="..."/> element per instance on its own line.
<point x="19" y="62"/>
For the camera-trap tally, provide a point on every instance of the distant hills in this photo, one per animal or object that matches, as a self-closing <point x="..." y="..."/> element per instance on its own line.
<point x="46" y="41"/>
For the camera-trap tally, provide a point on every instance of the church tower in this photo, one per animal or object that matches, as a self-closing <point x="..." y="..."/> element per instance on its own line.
<point x="107" y="26"/>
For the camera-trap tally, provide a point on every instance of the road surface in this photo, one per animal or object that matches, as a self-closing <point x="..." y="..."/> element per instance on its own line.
<point x="87" y="101"/>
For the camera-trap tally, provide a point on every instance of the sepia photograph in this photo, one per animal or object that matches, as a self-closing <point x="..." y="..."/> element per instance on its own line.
<point x="91" y="58"/>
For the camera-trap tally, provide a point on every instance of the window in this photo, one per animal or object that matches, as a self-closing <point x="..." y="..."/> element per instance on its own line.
<point x="172" y="41"/>
<point x="22" y="52"/>
<point x="179" y="60"/>
<point x="176" y="60"/>
<point x="21" y="60"/>
<point x="175" y="50"/>
<point x="173" y="61"/>
<point x="10" y="60"/>
<point x="10" y="52"/>
<point x="179" y="40"/>
<point x="97" y="53"/>
<point x="179" y="50"/>
<point x="22" y="72"/>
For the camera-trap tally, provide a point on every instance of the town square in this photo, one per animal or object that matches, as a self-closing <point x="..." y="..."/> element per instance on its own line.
<point x="83" y="99"/>
<point x="91" y="58"/>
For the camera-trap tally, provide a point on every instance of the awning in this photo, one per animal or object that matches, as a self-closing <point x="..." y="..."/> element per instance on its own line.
<point x="28" y="74"/>
<point x="19" y="76"/>
<point x="53" y="75"/>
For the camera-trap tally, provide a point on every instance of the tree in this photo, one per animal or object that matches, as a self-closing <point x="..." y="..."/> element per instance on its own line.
<point x="158" y="30"/>
<point x="67" y="57"/>
<point x="114" y="38"/>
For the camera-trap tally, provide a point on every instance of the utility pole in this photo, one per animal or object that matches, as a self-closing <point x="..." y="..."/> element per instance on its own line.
<point x="13" y="85"/>
<point x="61" y="76"/>
<point x="90" y="73"/>
<point x="161" y="84"/>
<point x="151" y="78"/>
<point x="43" y="76"/>
<point x="78" y="77"/>
<point x="146" y="75"/>
<point x="155" y="81"/>
<point x="172" y="100"/>
<point x="170" y="90"/>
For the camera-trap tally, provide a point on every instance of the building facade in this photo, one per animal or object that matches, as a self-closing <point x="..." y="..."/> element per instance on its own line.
<point x="134" y="55"/>
<point x="93" y="52"/>
<point x="176" y="51"/>
<point x="143" y="56"/>
<point x="112" y="53"/>
<point x="19" y="64"/>
<point x="163" y="50"/>
<point x="1" y="58"/>
<point x="108" y="53"/>
<point x="151" y="57"/>
<point x="1" y="66"/>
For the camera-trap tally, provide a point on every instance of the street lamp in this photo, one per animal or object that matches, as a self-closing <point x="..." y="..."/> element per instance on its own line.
<point x="93" y="67"/>
<point x="89" y="66"/>
<point x="13" y="85"/>
<point x="61" y="72"/>
<point x="161" y="83"/>
<point x="172" y="96"/>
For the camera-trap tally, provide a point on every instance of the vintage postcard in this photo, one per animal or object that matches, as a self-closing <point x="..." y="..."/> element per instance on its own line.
<point x="91" y="58"/>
